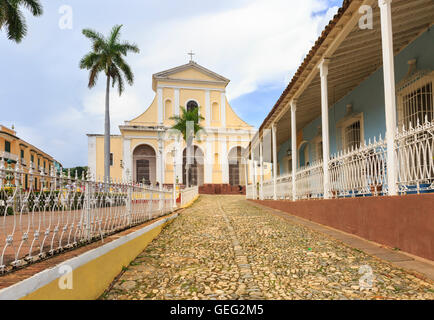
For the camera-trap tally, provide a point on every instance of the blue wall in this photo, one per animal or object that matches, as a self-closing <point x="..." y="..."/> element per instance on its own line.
<point x="368" y="97"/>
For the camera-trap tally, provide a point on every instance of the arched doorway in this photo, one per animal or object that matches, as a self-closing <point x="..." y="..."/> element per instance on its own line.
<point x="145" y="163"/>
<point x="196" y="169"/>
<point x="237" y="175"/>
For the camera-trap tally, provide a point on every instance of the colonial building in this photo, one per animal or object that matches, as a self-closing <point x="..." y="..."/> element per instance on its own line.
<point x="15" y="150"/>
<point x="147" y="151"/>
<point x="353" y="132"/>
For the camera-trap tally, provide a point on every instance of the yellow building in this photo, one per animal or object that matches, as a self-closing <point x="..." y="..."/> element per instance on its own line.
<point x="15" y="150"/>
<point x="143" y="151"/>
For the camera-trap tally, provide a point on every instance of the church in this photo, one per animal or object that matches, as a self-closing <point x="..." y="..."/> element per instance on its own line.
<point x="147" y="151"/>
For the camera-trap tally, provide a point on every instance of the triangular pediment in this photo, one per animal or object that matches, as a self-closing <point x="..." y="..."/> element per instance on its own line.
<point x="190" y="72"/>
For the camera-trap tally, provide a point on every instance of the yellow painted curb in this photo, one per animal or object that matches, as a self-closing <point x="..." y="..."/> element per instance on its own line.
<point x="92" y="272"/>
<point x="190" y="203"/>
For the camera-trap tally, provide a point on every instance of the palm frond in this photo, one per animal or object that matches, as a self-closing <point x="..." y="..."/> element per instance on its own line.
<point x="115" y="34"/>
<point x="33" y="5"/>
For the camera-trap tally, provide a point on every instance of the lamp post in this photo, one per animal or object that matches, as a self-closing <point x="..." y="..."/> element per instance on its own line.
<point x="174" y="176"/>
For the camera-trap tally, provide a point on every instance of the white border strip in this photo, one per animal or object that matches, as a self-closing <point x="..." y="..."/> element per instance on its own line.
<point x="43" y="278"/>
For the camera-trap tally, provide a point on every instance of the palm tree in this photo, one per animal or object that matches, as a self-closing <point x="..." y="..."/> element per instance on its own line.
<point x="189" y="132"/>
<point x="13" y="19"/>
<point x="107" y="56"/>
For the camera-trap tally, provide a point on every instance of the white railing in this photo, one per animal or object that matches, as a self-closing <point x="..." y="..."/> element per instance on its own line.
<point x="62" y="212"/>
<point x="284" y="187"/>
<point x="360" y="171"/>
<point x="415" y="158"/>
<point x="363" y="171"/>
<point x="250" y="191"/>
<point x="188" y="195"/>
<point x="268" y="189"/>
<point x="309" y="181"/>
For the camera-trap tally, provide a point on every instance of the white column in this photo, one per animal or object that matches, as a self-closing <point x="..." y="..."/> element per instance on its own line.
<point x="179" y="159"/>
<point x="255" y="196"/>
<point x="389" y="92"/>
<point x="273" y="129"/>
<point x="207" y="108"/>
<point x="223" y="110"/>
<point x="208" y="165"/>
<point x="255" y="179"/>
<point x="127" y="160"/>
<point x="176" y="106"/>
<point x="294" y="152"/>
<point x="325" y="125"/>
<point x="161" y="169"/>
<point x="160" y="105"/>
<point x="224" y="161"/>
<point x="261" y="174"/>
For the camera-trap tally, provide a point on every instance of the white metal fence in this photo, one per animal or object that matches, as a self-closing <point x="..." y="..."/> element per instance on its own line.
<point x="363" y="171"/>
<point x="309" y="181"/>
<point x="360" y="171"/>
<point x="415" y="158"/>
<point x="188" y="195"/>
<point x="41" y="215"/>
<point x="284" y="187"/>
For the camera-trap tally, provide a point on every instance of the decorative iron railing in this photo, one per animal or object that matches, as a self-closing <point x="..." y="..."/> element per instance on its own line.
<point x="309" y="181"/>
<point x="363" y="171"/>
<point x="415" y="158"/>
<point x="360" y="171"/>
<point x="188" y="195"/>
<point x="284" y="187"/>
<point x="268" y="189"/>
<point x="250" y="191"/>
<point x="62" y="212"/>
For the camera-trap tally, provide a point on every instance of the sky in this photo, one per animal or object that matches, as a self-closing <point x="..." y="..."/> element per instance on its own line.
<point x="257" y="44"/>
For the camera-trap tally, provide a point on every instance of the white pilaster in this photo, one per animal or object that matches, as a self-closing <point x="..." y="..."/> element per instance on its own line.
<point x="208" y="166"/>
<point x="389" y="91"/>
<point x="127" y="172"/>
<point x="176" y="106"/>
<point x="273" y="129"/>
<point x="207" y="108"/>
<point x="261" y="174"/>
<point x="224" y="161"/>
<point x="160" y="105"/>
<point x="294" y="152"/>
<point x="223" y="110"/>
<point x="325" y="125"/>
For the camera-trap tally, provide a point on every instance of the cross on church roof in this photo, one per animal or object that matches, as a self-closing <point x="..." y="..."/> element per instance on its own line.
<point x="191" y="54"/>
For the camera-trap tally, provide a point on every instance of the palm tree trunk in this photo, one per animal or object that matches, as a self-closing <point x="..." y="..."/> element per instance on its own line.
<point x="107" y="134"/>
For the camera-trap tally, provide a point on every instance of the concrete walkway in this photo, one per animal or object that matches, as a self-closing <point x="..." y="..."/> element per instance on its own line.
<point x="224" y="247"/>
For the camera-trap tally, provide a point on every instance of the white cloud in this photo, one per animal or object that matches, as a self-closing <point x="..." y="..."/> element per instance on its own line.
<point x="258" y="43"/>
<point x="262" y="42"/>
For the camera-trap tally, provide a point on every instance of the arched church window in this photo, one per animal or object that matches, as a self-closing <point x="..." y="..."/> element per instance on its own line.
<point x="191" y="105"/>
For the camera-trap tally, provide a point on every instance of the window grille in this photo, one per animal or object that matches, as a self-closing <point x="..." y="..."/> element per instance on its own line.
<point x="418" y="106"/>
<point x="352" y="135"/>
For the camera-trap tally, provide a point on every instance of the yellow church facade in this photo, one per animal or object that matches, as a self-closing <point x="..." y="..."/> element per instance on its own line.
<point x="148" y="151"/>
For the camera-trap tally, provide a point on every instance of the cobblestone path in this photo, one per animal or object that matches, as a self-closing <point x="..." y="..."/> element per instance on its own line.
<point x="226" y="248"/>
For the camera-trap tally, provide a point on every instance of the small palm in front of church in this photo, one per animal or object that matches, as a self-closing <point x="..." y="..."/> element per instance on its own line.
<point x="188" y="124"/>
<point x="107" y="56"/>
